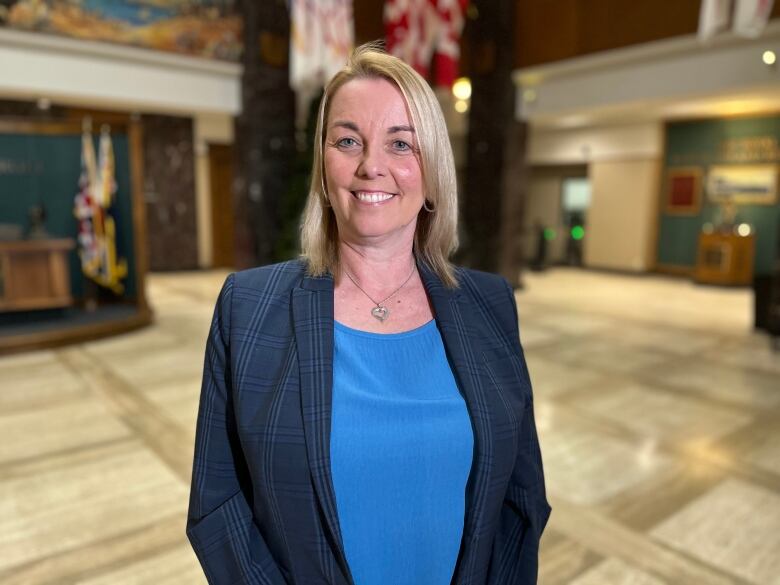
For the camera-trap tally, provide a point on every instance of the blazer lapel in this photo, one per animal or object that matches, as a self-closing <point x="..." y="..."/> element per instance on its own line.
<point x="455" y="322"/>
<point x="312" y="305"/>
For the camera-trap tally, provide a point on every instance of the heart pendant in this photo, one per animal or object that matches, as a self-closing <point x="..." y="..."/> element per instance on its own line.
<point x="380" y="313"/>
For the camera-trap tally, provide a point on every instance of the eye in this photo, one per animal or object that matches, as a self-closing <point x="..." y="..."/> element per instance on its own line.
<point x="401" y="146"/>
<point x="346" y="142"/>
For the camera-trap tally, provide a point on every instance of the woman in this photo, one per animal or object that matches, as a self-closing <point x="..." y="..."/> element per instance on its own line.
<point x="366" y="413"/>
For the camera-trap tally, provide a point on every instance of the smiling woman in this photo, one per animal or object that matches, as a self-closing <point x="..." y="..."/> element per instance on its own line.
<point x="373" y="177"/>
<point x="366" y="414"/>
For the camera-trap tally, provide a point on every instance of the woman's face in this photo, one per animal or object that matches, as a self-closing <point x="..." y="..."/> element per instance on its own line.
<point x="372" y="169"/>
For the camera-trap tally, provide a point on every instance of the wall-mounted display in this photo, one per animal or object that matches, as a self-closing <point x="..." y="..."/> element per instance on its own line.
<point x="738" y="158"/>
<point x="683" y="190"/>
<point x="743" y="184"/>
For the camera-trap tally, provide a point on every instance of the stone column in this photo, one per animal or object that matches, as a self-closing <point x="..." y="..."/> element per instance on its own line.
<point x="264" y="132"/>
<point x="495" y="176"/>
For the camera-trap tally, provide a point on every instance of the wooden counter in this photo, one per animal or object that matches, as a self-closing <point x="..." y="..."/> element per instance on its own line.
<point x="34" y="274"/>
<point x="725" y="259"/>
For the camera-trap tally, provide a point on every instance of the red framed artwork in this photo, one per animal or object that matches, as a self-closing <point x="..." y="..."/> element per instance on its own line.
<point x="683" y="190"/>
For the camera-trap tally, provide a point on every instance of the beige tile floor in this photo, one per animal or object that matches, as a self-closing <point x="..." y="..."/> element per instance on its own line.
<point x="658" y="413"/>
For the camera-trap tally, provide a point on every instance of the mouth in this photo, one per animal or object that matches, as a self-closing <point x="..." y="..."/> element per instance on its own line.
<point x="372" y="196"/>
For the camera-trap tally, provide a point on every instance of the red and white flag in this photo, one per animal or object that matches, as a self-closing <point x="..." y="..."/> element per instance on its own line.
<point x="426" y="34"/>
<point x="751" y="16"/>
<point x="322" y="34"/>
<point x="714" y="16"/>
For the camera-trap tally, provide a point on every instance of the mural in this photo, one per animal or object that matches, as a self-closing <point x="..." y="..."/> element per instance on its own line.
<point x="203" y="28"/>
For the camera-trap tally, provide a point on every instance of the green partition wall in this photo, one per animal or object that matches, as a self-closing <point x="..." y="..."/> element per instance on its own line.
<point x="45" y="168"/>
<point x="703" y="143"/>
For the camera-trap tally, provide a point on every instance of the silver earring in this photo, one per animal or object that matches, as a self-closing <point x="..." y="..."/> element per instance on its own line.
<point x="426" y="207"/>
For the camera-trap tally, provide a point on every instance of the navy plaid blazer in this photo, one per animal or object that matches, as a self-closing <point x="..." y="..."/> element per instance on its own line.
<point x="262" y="507"/>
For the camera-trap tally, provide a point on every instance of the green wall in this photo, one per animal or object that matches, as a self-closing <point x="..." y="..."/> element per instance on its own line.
<point x="37" y="168"/>
<point x="700" y="143"/>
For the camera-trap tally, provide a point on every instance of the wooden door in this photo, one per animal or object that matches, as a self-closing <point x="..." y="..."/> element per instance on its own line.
<point x="222" y="217"/>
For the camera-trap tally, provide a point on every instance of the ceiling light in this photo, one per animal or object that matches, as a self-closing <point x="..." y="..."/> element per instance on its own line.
<point x="461" y="106"/>
<point x="769" y="57"/>
<point x="461" y="89"/>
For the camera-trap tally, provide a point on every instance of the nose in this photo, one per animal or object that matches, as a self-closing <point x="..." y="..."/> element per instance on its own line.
<point x="371" y="164"/>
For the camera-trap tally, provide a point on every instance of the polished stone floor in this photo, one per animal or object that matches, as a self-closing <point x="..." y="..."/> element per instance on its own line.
<point x="658" y="413"/>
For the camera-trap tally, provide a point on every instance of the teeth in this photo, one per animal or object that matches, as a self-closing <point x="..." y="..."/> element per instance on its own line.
<point x="372" y="197"/>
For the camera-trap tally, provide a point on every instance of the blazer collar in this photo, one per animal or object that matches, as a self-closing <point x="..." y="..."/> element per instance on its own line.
<point x="312" y="305"/>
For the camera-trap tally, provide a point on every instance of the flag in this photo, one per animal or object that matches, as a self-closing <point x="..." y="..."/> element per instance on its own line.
<point x="714" y="16"/>
<point x="85" y="208"/>
<point x="751" y="16"/>
<point x="321" y="38"/>
<point x="426" y="33"/>
<point x="92" y="206"/>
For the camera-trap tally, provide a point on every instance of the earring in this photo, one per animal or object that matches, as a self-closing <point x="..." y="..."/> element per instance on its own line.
<point x="428" y="208"/>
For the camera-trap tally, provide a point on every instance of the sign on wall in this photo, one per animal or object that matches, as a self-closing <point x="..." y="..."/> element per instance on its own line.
<point x="743" y="184"/>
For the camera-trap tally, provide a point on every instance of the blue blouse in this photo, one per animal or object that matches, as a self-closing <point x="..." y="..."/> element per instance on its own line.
<point x="401" y="451"/>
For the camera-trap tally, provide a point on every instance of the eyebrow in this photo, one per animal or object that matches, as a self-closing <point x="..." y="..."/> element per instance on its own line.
<point x="352" y="126"/>
<point x="394" y="129"/>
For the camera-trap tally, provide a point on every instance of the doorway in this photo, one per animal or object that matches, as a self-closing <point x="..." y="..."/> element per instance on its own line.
<point x="575" y="201"/>
<point x="222" y="216"/>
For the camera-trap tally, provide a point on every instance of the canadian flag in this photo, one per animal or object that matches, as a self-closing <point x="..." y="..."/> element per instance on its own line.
<point x="426" y="33"/>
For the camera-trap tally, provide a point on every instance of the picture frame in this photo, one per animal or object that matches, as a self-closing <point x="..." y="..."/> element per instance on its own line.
<point x="683" y="187"/>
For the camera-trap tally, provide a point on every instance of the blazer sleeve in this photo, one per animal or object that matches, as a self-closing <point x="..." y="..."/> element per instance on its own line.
<point x="220" y="521"/>
<point x="525" y="510"/>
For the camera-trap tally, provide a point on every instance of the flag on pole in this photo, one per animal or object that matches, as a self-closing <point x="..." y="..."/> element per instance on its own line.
<point x="426" y="33"/>
<point x="321" y="38"/>
<point x="751" y="16"/>
<point x="92" y="205"/>
<point x="714" y="16"/>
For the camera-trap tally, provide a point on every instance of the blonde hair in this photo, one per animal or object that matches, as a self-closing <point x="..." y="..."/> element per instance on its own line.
<point x="436" y="233"/>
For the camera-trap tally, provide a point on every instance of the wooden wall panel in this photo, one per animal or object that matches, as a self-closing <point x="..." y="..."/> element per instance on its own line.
<point x="546" y="31"/>
<point x="552" y="30"/>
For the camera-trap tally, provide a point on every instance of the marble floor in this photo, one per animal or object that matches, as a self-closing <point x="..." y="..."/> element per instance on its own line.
<point x="658" y="412"/>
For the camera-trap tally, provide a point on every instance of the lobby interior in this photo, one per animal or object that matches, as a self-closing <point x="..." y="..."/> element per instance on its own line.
<point x="657" y="399"/>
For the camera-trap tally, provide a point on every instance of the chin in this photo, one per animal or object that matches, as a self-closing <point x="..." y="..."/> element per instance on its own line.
<point x="380" y="229"/>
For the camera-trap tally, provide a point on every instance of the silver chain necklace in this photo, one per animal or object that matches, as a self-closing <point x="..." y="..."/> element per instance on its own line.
<point x="379" y="311"/>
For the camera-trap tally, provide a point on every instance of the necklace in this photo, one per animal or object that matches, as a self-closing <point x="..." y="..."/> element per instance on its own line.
<point x="379" y="311"/>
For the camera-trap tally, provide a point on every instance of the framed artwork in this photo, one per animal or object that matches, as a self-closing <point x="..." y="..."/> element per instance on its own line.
<point x="683" y="190"/>
<point x="743" y="184"/>
<point x="202" y="28"/>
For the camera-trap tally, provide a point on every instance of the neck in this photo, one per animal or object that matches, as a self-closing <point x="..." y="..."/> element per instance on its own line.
<point x="375" y="268"/>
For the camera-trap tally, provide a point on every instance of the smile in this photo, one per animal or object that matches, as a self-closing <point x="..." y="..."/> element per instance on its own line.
<point x="372" y="196"/>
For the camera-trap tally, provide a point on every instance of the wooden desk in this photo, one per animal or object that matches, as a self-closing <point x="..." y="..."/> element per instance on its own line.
<point x="34" y="274"/>
<point x="725" y="259"/>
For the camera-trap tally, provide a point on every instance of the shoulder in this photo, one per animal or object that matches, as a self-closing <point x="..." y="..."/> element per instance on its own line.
<point x="483" y="285"/>
<point x="273" y="279"/>
<point x="492" y="297"/>
<point x="247" y="291"/>
<point x="257" y="298"/>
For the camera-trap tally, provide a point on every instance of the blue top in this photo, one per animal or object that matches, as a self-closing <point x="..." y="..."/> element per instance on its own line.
<point x="401" y="448"/>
